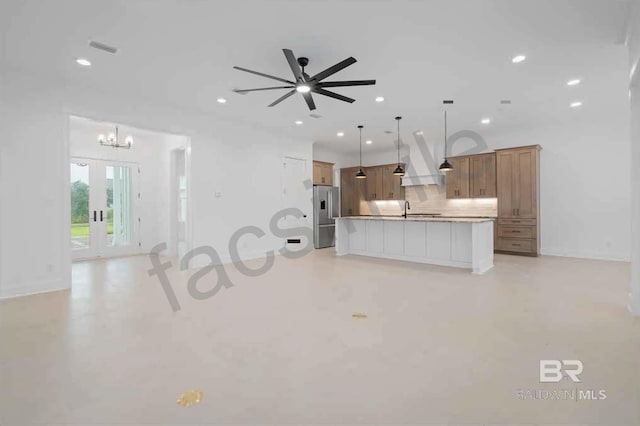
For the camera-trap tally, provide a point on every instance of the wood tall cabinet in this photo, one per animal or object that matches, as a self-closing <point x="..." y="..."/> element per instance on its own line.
<point x="518" y="190"/>
<point x="322" y="173"/>
<point x="351" y="192"/>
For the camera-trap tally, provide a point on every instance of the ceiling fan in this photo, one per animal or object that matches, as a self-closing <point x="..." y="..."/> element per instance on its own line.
<point x="305" y="84"/>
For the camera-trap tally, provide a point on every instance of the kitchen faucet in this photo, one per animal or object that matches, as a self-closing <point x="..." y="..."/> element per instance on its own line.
<point x="407" y="206"/>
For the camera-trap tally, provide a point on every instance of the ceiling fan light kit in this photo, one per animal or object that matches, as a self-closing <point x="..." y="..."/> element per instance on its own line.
<point x="305" y="84"/>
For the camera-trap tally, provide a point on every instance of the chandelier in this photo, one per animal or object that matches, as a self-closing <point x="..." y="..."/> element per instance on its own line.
<point x="113" y="140"/>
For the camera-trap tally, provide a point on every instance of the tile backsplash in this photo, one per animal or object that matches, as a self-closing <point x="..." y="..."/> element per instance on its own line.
<point x="432" y="199"/>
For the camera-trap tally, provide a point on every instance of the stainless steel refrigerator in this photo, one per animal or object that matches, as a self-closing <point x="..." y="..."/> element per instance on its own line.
<point x="325" y="209"/>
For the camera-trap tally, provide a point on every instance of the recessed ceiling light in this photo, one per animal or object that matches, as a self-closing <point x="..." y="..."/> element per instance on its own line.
<point x="369" y="142"/>
<point x="84" y="62"/>
<point x="298" y="122"/>
<point x="303" y="88"/>
<point x="340" y="134"/>
<point x="573" y="82"/>
<point x="222" y="101"/>
<point x="519" y="58"/>
<point x="576" y="104"/>
<point x="486" y="121"/>
<point x="380" y="99"/>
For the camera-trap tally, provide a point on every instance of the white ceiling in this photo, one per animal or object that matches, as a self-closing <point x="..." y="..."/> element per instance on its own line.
<point x="182" y="52"/>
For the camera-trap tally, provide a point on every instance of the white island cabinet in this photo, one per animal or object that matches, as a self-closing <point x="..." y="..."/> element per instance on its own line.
<point x="457" y="242"/>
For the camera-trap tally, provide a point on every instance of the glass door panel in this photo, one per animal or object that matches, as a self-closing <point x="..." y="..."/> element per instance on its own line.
<point x="82" y="220"/>
<point x="119" y="206"/>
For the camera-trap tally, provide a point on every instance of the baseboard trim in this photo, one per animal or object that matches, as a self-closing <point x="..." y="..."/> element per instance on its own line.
<point x="613" y="257"/>
<point x="20" y="290"/>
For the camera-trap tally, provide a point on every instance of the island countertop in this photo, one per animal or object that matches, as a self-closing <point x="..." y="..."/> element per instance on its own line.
<point x="425" y="218"/>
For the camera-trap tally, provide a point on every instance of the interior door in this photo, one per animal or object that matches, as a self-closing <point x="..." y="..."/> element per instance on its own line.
<point x="295" y="194"/>
<point x="104" y="195"/>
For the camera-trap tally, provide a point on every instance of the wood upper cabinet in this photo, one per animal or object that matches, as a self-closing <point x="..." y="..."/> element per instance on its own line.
<point x="382" y="184"/>
<point x="483" y="176"/>
<point x="392" y="188"/>
<point x="374" y="184"/>
<point x="457" y="180"/>
<point x="351" y="192"/>
<point x="322" y="173"/>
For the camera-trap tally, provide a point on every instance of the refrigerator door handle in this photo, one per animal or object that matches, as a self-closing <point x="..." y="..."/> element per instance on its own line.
<point x="330" y="199"/>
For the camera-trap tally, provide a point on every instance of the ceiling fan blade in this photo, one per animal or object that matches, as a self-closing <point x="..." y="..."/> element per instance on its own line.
<point x="334" y="69"/>
<point x="346" y="83"/>
<point x="264" y="75"/>
<point x="321" y="91"/>
<point x="293" y="63"/>
<point x="307" y="97"/>
<point x="262" y="88"/>
<point x="282" y="98"/>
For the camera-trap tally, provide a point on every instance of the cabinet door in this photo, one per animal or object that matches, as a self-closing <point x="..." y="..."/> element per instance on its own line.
<point x="526" y="198"/>
<point x="346" y="192"/>
<point x="374" y="183"/>
<point x="457" y="180"/>
<point x="505" y="163"/>
<point x="391" y="184"/>
<point x="483" y="176"/>
<point x="317" y="173"/>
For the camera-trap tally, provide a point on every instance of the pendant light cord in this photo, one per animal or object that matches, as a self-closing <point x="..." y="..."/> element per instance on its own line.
<point x="360" y="128"/>
<point x="445" y="135"/>
<point x="398" y="140"/>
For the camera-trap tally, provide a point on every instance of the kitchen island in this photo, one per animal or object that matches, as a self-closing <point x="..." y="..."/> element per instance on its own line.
<point x="448" y="241"/>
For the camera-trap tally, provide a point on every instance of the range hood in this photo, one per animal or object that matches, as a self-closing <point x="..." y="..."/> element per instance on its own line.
<point x="419" y="180"/>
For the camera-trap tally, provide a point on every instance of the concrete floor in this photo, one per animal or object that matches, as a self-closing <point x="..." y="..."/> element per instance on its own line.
<point x="439" y="345"/>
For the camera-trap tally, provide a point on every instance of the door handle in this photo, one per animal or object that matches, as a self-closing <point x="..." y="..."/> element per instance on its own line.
<point x="95" y="216"/>
<point x="330" y="199"/>
<point x="518" y="212"/>
<point x="101" y="218"/>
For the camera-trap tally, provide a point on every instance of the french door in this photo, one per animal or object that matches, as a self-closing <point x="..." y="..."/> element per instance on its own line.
<point x="104" y="220"/>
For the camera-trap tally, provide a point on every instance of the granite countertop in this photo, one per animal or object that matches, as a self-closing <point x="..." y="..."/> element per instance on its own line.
<point x="422" y="218"/>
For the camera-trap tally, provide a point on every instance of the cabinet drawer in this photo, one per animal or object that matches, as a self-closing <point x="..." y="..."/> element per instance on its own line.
<point x="517" y="222"/>
<point x="517" y="231"/>
<point x="517" y="245"/>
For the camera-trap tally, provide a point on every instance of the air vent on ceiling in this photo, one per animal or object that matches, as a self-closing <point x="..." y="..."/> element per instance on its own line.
<point x="103" y="47"/>
<point x="315" y="116"/>
<point x="447" y="102"/>
<point x="388" y="132"/>
<point x="505" y="102"/>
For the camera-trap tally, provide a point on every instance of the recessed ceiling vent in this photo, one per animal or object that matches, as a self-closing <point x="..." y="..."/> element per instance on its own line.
<point x="103" y="47"/>
<point x="447" y="102"/>
<point x="315" y="116"/>
<point x="505" y="102"/>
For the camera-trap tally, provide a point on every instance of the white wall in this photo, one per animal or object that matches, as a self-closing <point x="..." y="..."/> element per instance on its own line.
<point x="634" y="66"/>
<point x="242" y="163"/>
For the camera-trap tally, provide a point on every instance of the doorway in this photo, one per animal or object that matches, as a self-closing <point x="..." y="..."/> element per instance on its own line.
<point x="104" y="197"/>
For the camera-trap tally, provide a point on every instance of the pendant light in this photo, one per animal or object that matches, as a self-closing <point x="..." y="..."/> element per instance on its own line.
<point x="445" y="166"/>
<point x="361" y="174"/>
<point x="399" y="171"/>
